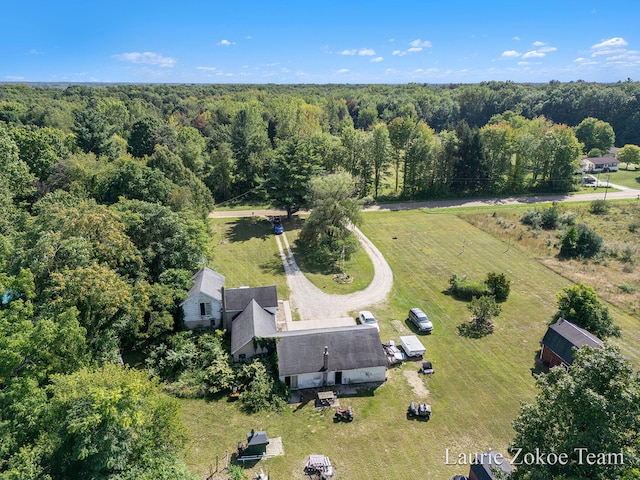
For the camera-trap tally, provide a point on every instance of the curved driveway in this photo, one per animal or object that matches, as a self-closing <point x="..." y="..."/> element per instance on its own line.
<point x="314" y="304"/>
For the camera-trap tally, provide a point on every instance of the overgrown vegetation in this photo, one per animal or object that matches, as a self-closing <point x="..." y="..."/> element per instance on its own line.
<point x="496" y="285"/>
<point x="197" y="364"/>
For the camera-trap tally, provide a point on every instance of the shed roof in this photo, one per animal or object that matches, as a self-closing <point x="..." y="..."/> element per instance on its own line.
<point x="487" y="462"/>
<point x="257" y="438"/>
<point x="209" y="282"/>
<point x="254" y="321"/>
<point x="350" y="348"/>
<point x="563" y="335"/>
<point x="237" y="299"/>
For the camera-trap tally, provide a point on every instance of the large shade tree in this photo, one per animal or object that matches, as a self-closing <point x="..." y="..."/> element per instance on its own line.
<point x="327" y="232"/>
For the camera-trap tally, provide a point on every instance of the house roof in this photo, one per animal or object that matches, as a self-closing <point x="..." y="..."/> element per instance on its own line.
<point x="350" y="348"/>
<point x="209" y="282"/>
<point x="486" y="462"/>
<point x="602" y="160"/>
<point x="563" y="335"/>
<point x="254" y="321"/>
<point x="237" y="299"/>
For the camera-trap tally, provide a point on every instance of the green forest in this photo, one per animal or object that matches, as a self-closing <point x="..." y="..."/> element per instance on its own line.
<point x="104" y="195"/>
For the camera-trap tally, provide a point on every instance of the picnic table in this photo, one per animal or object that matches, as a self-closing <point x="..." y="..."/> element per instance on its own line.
<point x="326" y="399"/>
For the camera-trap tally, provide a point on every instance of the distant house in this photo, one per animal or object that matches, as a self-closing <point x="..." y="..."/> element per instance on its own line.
<point x="330" y="356"/>
<point x="560" y="340"/>
<point x="235" y="300"/>
<point x="203" y="306"/>
<point x="600" y="164"/>
<point x="486" y="465"/>
<point x="248" y="328"/>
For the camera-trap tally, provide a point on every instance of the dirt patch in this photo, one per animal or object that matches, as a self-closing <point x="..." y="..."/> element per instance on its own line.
<point x="400" y="327"/>
<point x="416" y="383"/>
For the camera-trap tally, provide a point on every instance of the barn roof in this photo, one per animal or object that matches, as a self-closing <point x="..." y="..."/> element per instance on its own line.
<point x="563" y="335"/>
<point x="486" y="463"/>
<point x="602" y="160"/>
<point x="350" y="348"/>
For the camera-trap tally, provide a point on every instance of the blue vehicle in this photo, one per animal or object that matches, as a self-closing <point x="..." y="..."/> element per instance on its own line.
<point x="277" y="226"/>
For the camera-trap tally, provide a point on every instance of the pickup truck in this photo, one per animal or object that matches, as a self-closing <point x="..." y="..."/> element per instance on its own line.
<point x="412" y="346"/>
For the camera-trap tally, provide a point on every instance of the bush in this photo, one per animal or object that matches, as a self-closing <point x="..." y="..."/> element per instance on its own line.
<point x="468" y="290"/>
<point x="549" y="217"/>
<point x="599" y="207"/>
<point x="531" y="218"/>
<point x="580" y="242"/>
<point x="498" y="285"/>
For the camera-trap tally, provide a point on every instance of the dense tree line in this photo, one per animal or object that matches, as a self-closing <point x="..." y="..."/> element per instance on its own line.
<point x="412" y="141"/>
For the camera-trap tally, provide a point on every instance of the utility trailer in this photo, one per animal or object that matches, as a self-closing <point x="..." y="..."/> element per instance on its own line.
<point x="412" y="346"/>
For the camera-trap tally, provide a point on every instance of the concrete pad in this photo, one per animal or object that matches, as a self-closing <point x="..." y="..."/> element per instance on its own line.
<point x="321" y="323"/>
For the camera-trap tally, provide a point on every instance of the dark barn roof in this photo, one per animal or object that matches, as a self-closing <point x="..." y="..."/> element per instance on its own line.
<point x="485" y="463"/>
<point x="350" y="348"/>
<point x="237" y="299"/>
<point x="563" y="335"/>
<point x="603" y="160"/>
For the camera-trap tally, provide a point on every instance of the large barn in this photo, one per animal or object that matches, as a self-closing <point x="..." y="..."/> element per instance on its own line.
<point x="560" y="340"/>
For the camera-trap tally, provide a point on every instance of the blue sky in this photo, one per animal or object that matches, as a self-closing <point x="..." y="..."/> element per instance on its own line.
<point x="308" y="41"/>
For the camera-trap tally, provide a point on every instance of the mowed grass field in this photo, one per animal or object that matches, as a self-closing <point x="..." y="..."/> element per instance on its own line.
<point x="475" y="392"/>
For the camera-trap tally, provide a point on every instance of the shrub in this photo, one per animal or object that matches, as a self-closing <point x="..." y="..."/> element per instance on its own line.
<point x="549" y="217"/>
<point x="599" y="207"/>
<point x="498" y="285"/>
<point x="531" y="218"/>
<point x="634" y="227"/>
<point x="580" y="242"/>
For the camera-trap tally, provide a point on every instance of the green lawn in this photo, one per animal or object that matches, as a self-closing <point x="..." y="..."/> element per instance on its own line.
<point x="627" y="178"/>
<point x="478" y="384"/>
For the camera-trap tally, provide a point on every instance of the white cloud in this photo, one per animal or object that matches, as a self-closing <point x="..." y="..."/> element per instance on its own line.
<point x="419" y="43"/>
<point x="146" y="58"/>
<point x="348" y="52"/>
<point x="399" y="53"/>
<point x="615" y="42"/>
<point x="366" y="52"/>
<point x="510" y="54"/>
<point x="207" y="69"/>
<point x="377" y="59"/>
<point x="13" y="78"/>
<point x="547" y="49"/>
<point x="343" y="70"/>
<point x="33" y="51"/>
<point x="516" y="38"/>
<point x="533" y="54"/>
<point x="538" y="44"/>
<point x="225" y="43"/>
<point x="414" y="49"/>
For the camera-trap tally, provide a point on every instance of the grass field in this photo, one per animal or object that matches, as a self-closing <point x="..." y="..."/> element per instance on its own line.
<point x="478" y="385"/>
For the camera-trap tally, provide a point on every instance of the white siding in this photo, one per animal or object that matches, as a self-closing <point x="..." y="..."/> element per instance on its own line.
<point x="191" y="309"/>
<point x="361" y="375"/>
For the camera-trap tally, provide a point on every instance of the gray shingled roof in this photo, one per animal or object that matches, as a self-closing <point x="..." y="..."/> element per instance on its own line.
<point x="563" y="335"/>
<point x="208" y="282"/>
<point x="350" y="348"/>
<point x="254" y="321"/>
<point x="485" y="462"/>
<point x="602" y="160"/>
<point x="237" y="299"/>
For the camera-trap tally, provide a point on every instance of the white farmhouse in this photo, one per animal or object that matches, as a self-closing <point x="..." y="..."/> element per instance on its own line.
<point x="203" y="306"/>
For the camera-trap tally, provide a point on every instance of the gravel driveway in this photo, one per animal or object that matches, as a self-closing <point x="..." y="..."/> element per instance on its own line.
<point x="314" y="304"/>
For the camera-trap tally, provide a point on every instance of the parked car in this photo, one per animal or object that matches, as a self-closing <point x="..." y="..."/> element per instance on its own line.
<point x="277" y="225"/>
<point x="365" y="317"/>
<point x="589" y="180"/>
<point x="420" y="320"/>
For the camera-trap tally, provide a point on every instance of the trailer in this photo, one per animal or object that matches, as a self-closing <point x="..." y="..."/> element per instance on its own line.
<point x="412" y="346"/>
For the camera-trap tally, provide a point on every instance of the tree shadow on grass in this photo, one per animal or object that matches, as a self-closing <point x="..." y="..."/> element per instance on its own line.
<point x="273" y="266"/>
<point x="246" y="228"/>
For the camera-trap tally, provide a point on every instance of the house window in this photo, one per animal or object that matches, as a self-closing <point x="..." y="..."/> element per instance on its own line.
<point x="205" y="309"/>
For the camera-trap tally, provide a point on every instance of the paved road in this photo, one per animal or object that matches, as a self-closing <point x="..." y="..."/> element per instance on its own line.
<point x="624" y="193"/>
